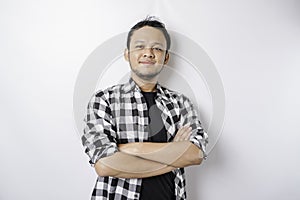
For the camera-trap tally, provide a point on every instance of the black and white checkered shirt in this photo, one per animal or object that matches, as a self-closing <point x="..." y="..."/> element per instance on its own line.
<point x="119" y="115"/>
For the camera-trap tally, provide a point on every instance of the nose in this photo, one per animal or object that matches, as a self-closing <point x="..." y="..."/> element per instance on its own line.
<point x="148" y="53"/>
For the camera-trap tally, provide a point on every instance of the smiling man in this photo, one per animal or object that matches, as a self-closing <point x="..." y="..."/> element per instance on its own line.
<point x="147" y="54"/>
<point x="140" y="135"/>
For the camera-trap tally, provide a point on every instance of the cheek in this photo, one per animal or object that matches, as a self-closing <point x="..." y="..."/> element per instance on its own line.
<point x="130" y="58"/>
<point x="161" y="57"/>
<point x="133" y="56"/>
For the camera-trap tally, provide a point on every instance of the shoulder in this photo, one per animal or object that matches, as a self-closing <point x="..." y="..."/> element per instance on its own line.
<point x="108" y="94"/>
<point x="177" y="96"/>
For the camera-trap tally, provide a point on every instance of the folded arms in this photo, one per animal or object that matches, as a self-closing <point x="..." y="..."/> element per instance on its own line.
<point x="140" y="160"/>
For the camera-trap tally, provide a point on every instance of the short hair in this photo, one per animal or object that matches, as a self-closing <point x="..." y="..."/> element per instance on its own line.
<point x="152" y="22"/>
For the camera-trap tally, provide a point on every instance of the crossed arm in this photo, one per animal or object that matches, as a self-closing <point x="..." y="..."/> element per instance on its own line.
<point x="140" y="160"/>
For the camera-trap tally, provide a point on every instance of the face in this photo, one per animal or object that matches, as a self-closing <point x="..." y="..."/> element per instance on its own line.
<point x="147" y="52"/>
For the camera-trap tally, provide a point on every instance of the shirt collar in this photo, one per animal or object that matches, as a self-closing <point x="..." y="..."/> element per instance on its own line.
<point x="131" y="86"/>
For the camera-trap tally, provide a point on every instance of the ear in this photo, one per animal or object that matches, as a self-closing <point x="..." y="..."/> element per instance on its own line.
<point x="126" y="55"/>
<point x="167" y="56"/>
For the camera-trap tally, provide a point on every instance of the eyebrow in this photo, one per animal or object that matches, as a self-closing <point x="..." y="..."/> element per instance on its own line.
<point x="142" y="41"/>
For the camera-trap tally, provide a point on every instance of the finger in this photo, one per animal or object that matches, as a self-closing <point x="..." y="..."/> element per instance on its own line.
<point x="187" y="124"/>
<point x="186" y="134"/>
<point x="181" y="130"/>
<point x="179" y="133"/>
<point x="182" y="133"/>
<point x="175" y="139"/>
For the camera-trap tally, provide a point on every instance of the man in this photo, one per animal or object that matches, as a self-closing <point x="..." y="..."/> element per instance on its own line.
<point x="140" y="135"/>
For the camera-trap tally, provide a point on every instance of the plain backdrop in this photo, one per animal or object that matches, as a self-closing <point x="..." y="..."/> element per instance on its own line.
<point x="254" y="44"/>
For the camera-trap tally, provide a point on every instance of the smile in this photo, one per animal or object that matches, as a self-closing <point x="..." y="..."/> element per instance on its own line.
<point x="147" y="62"/>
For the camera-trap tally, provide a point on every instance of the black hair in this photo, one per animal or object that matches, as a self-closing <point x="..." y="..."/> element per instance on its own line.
<point x="150" y="21"/>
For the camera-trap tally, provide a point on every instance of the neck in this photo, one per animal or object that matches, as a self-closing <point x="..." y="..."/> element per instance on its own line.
<point x="145" y="85"/>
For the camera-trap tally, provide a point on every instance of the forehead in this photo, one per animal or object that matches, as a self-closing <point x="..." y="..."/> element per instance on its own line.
<point x="149" y="35"/>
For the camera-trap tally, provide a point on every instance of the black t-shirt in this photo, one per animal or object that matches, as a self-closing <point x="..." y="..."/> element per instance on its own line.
<point x="161" y="187"/>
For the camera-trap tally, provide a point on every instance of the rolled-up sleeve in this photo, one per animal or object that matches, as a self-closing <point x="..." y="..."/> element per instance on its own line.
<point x="99" y="138"/>
<point x="189" y="116"/>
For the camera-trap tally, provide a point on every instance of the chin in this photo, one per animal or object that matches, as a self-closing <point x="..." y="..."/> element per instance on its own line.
<point x="147" y="76"/>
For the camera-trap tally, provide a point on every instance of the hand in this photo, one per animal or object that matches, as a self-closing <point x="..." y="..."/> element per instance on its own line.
<point x="183" y="133"/>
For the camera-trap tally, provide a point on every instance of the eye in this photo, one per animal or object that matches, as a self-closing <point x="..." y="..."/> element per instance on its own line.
<point x="157" y="49"/>
<point x="139" y="46"/>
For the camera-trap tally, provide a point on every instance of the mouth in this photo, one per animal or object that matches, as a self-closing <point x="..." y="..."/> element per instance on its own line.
<point x="147" y="62"/>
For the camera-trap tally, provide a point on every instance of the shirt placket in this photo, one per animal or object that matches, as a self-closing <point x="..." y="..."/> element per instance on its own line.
<point x="143" y="120"/>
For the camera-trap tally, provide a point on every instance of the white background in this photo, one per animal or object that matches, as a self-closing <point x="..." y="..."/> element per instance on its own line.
<point x="254" y="44"/>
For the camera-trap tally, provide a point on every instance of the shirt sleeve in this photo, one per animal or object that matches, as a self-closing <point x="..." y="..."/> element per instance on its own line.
<point x="189" y="116"/>
<point x="99" y="138"/>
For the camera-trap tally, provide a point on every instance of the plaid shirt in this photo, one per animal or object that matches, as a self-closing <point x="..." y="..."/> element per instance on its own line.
<point x="119" y="115"/>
